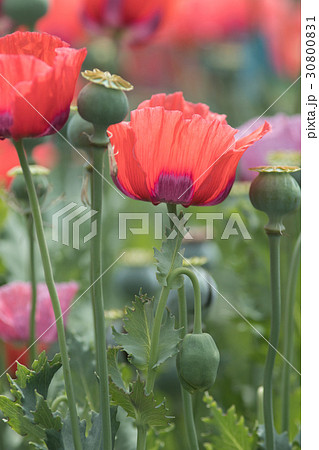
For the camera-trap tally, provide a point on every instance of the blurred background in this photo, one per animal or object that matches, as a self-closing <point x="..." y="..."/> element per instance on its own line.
<point x="237" y="56"/>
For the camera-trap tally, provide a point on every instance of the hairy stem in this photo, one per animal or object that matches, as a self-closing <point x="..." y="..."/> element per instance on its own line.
<point x="32" y="334"/>
<point x="274" y="246"/>
<point x="289" y="331"/>
<point x="186" y="396"/>
<point x="36" y="213"/>
<point x="97" y="299"/>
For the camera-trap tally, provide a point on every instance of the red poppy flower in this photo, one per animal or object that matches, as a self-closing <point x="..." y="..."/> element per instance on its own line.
<point x="175" y="151"/>
<point x="38" y="76"/>
<point x="142" y="18"/>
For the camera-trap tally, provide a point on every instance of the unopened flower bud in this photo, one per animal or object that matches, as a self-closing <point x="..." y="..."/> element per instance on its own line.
<point x="197" y="362"/>
<point x="79" y="131"/>
<point x="18" y="186"/>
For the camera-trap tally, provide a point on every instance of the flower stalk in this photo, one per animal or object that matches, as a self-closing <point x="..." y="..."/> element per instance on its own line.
<point x="274" y="248"/>
<point x="36" y="214"/>
<point x="32" y="336"/>
<point x="97" y="296"/>
<point x="186" y="396"/>
<point x="289" y="331"/>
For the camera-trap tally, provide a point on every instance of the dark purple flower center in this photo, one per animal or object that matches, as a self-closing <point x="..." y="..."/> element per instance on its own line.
<point x="172" y="188"/>
<point x="6" y="122"/>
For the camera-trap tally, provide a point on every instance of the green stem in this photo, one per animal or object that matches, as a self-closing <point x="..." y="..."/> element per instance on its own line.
<point x="141" y="438"/>
<point x="151" y="373"/>
<point x="197" y="297"/>
<point x="32" y="336"/>
<point x="159" y="317"/>
<point x="97" y="299"/>
<point x="274" y="247"/>
<point x="289" y="331"/>
<point x="36" y="213"/>
<point x="186" y="396"/>
<point x="92" y="264"/>
<point x="57" y="401"/>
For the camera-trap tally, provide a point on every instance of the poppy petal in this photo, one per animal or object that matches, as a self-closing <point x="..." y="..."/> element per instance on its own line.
<point x="131" y="178"/>
<point x="39" y="73"/>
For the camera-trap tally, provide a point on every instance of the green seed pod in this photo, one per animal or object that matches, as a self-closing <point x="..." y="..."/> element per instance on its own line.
<point x="102" y="106"/>
<point x="78" y="131"/>
<point x="19" y="190"/>
<point x="103" y="101"/>
<point x="25" y="12"/>
<point x="275" y="192"/>
<point x="197" y="362"/>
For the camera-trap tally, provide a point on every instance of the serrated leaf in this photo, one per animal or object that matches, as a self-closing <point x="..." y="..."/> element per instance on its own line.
<point x="227" y="431"/>
<point x="138" y="324"/>
<point x="113" y="369"/>
<point x="43" y="415"/>
<point x="142" y="407"/>
<point x="20" y="423"/>
<point x="29" y="414"/>
<point x="37" y="378"/>
<point x="169" y="258"/>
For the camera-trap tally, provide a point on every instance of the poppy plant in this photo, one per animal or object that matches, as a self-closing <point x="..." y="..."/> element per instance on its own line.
<point x="38" y="76"/>
<point x="174" y="151"/>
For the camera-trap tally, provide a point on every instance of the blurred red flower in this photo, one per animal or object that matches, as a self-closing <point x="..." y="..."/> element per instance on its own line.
<point x="8" y="160"/>
<point x="15" y="306"/>
<point x="45" y="154"/>
<point x="38" y="76"/>
<point x="64" y="20"/>
<point x="280" y="23"/>
<point x="17" y="352"/>
<point x="139" y="17"/>
<point x="198" y="21"/>
<point x="175" y="151"/>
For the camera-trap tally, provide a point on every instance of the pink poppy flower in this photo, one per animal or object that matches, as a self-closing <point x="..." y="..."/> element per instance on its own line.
<point x="15" y="306"/>
<point x="281" y="146"/>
